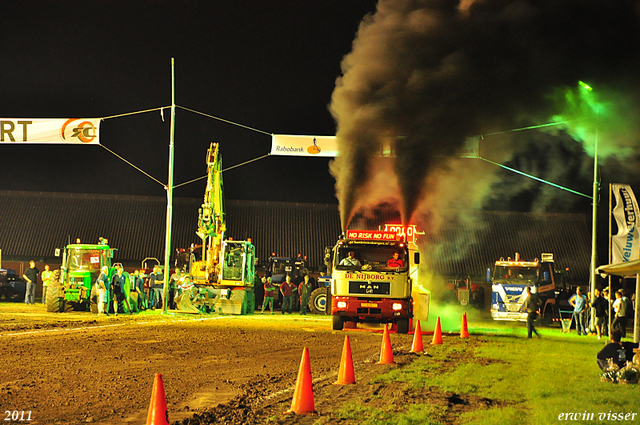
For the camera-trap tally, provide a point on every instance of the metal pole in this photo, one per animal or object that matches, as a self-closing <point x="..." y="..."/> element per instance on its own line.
<point x="169" y="189"/>
<point x="596" y="187"/>
<point x="636" y="319"/>
<point x="610" y="258"/>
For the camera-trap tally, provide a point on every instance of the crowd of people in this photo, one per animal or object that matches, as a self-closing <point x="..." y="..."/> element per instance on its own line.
<point x="581" y="316"/>
<point x="138" y="291"/>
<point x="616" y="351"/>
<point x="293" y="292"/>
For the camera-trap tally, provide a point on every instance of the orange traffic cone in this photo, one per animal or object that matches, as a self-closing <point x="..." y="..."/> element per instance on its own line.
<point x="437" y="334"/>
<point x="158" y="414"/>
<point x="386" y="354"/>
<point x="303" y="403"/>
<point x="346" y="375"/>
<point x="464" y="331"/>
<point x="417" y="340"/>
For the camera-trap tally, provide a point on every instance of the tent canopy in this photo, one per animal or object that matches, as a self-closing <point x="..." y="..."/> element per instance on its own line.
<point x="620" y="269"/>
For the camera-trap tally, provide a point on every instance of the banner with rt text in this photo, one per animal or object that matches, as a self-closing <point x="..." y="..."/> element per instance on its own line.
<point x="625" y="246"/>
<point x="82" y="131"/>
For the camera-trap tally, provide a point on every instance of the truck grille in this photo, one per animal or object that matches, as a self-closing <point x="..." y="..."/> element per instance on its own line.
<point x="369" y="311"/>
<point x="365" y="287"/>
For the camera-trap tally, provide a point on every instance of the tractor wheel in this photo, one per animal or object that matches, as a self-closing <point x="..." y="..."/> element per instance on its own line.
<point x="251" y="302"/>
<point x="55" y="303"/>
<point x="318" y="301"/>
<point x="402" y="326"/>
<point x="93" y="300"/>
<point x="69" y="307"/>
<point x="338" y="323"/>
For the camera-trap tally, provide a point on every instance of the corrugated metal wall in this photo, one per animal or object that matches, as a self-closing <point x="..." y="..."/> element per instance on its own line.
<point x="33" y="224"/>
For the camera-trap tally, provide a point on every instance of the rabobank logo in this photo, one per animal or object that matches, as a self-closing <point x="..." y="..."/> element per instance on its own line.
<point x="314" y="149"/>
<point x="288" y="149"/>
<point x="84" y="131"/>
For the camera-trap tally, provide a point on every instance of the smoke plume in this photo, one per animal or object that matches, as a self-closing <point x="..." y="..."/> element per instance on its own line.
<point x="428" y="74"/>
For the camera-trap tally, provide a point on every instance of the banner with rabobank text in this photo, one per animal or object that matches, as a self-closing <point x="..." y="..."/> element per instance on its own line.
<point x="625" y="245"/>
<point x="290" y="145"/>
<point x="84" y="131"/>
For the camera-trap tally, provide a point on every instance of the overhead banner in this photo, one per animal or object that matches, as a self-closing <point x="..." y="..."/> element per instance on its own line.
<point x="284" y="144"/>
<point x="290" y="145"/>
<point x="471" y="148"/>
<point x="84" y="131"/>
<point x="625" y="246"/>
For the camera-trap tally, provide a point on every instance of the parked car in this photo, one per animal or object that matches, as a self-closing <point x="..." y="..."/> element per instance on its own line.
<point x="12" y="287"/>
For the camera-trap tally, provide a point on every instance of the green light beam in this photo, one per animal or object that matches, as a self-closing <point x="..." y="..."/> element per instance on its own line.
<point x="535" y="178"/>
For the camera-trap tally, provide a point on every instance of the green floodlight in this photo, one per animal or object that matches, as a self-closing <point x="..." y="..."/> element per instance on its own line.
<point x="585" y="86"/>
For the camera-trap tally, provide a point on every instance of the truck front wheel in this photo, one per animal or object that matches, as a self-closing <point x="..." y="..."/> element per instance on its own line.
<point x="402" y="326"/>
<point x="338" y="323"/>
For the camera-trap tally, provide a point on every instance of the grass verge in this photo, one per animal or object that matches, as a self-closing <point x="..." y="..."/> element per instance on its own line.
<point x="501" y="377"/>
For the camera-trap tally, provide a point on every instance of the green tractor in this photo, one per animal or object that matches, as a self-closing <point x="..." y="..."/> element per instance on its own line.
<point x="72" y="286"/>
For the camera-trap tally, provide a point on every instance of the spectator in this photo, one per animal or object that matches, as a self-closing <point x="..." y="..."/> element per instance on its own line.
<point x="620" y="352"/>
<point x="103" y="291"/>
<point x="173" y="288"/>
<point x="620" y="318"/>
<point x="156" y="283"/>
<point x="137" y="286"/>
<point x="579" y="303"/>
<point x="600" y="305"/>
<point x="151" y="277"/>
<point x="531" y="306"/>
<point x="286" y="289"/>
<point x="605" y="328"/>
<point x="118" y="283"/>
<point x="269" y="294"/>
<point x="304" y="290"/>
<point x="46" y="276"/>
<point x="31" y="276"/>
<point x="186" y="286"/>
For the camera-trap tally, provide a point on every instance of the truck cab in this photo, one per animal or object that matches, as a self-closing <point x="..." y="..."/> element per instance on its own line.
<point x="371" y="279"/>
<point x="509" y="282"/>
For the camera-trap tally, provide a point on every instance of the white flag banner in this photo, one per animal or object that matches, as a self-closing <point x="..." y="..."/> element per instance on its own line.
<point x="84" y="131"/>
<point x="284" y="144"/>
<point x="625" y="246"/>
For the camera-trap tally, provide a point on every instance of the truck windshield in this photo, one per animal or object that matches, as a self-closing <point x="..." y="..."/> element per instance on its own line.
<point x="86" y="259"/>
<point x="386" y="258"/>
<point x="516" y="273"/>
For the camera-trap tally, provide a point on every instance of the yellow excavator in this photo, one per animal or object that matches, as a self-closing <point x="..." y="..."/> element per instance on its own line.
<point x="220" y="272"/>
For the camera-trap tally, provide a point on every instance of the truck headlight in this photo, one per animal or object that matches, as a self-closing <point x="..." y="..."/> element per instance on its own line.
<point x="341" y="304"/>
<point x="396" y="306"/>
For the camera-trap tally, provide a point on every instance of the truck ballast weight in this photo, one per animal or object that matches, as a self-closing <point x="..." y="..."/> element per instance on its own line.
<point x="371" y="279"/>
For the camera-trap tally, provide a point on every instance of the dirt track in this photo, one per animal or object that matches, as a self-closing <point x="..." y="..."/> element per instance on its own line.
<point x="78" y="368"/>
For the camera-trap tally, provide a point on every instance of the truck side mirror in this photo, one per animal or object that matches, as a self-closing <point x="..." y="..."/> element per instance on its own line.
<point x="57" y="252"/>
<point x="416" y="258"/>
<point x="488" y="275"/>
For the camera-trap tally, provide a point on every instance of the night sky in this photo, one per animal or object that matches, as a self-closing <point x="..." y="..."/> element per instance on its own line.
<point x="269" y="65"/>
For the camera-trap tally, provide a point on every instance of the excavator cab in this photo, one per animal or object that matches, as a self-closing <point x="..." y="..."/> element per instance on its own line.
<point x="238" y="263"/>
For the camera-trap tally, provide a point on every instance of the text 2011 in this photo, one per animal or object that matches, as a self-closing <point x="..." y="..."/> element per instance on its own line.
<point x="17" y="415"/>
